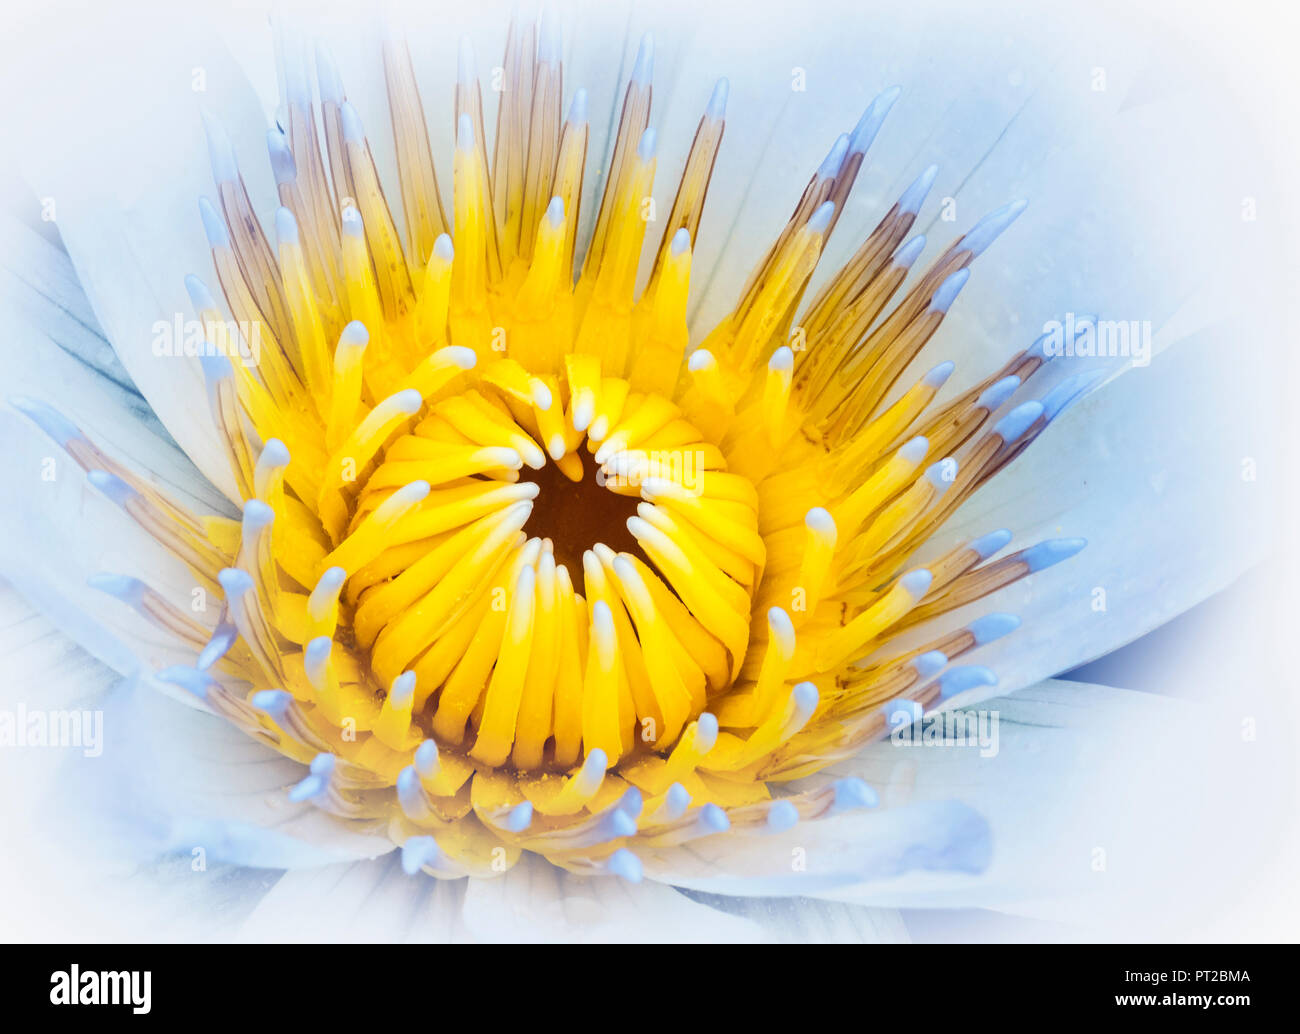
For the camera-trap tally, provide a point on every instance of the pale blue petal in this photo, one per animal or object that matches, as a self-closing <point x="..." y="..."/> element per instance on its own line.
<point x="1106" y="808"/>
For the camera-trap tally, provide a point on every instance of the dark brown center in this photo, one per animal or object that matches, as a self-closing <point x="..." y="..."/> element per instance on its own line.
<point x="576" y="515"/>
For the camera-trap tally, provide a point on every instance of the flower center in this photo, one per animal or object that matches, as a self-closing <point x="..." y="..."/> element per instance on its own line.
<point x="576" y="516"/>
<point x="478" y="546"/>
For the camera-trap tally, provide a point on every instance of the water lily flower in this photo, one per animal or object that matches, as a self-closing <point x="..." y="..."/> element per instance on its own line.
<point x="565" y="525"/>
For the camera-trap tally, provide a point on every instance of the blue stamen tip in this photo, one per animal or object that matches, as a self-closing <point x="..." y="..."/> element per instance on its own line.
<point x="625" y="864"/>
<point x="257" y="515"/>
<point x="317" y="652"/>
<point x="805" y="696"/>
<point x="234" y="581"/>
<point x="821" y="219"/>
<point x="123" y="587"/>
<point x="1051" y="551"/>
<point x="961" y="679"/>
<point x="996" y="394"/>
<point x="988" y="229"/>
<point x="331" y="579"/>
<point x="548" y="37"/>
<point x="417" y="853"/>
<point x="191" y="679"/>
<point x="853" y="793"/>
<point x="520" y="817"/>
<point x="938" y="377"/>
<point x="916" y="583"/>
<point x="834" y="159"/>
<point x="942" y="474"/>
<point x="717" y="109"/>
<point x="929" y="664"/>
<point x="274" y="702"/>
<point x="578" y="108"/>
<point x="993" y="626"/>
<point x="707" y="729"/>
<point x="410" y="794"/>
<point x="217" y="647"/>
<point x="631" y="802"/>
<point x="987" y="545"/>
<point x="283" y="167"/>
<point x="286" y="226"/>
<point x="676" y="801"/>
<point x="403" y="689"/>
<point x="200" y="296"/>
<point x="909" y="251"/>
<point x="901" y="712"/>
<point x="220" y="152"/>
<point x="426" y="757"/>
<point x="327" y="77"/>
<point x="713" y="819"/>
<point x="595" y="764"/>
<point x="112" y="486"/>
<point x="948" y="291"/>
<point x="620" y="824"/>
<point x="274" y="452"/>
<point x="645" y="61"/>
<point x="873" y="118"/>
<point x="1018" y="421"/>
<point x="781" y="815"/>
<point x="312" y="786"/>
<point x="914" y="196"/>
<point x="1069" y="391"/>
<point x="216" y="368"/>
<point x="914" y="450"/>
<point x="47" y="418"/>
<point x="214" y="227"/>
<point x="645" y="148"/>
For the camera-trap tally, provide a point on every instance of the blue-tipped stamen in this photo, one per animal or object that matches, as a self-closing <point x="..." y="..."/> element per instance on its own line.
<point x="781" y="815"/>
<point x="624" y="864"/>
<point x="852" y="793"/>
<point x="1051" y="551"/>
<point x="958" y="680"/>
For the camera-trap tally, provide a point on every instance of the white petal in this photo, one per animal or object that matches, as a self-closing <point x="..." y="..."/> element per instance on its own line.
<point x="535" y="902"/>
<point x="929" y="842"/>
<point x="49" y="550"/>
<point x="170" y="779"/>
<point x="200" y="781"/>
<point x="1092" y="808"/>
<point x="1149" y="469"/>
<point x="1008" y="108"/>
<point x="116" y="143"/>
<point x="58" y="531"/>
<point x="812" y="921"/>
<point x="359" y="902"/>
<point x="377" y="902"/>
<point x="71" y="879"/>
<point x="1106" y="808"/>
<point x="64" y="359"/>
